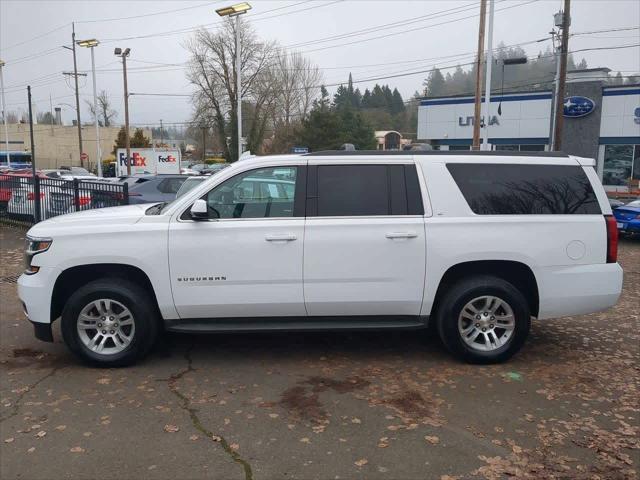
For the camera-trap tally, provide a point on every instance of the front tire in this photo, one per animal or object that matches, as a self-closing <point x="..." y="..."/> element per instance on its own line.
<point x="483" y="319"/>
<point x="110" y="323"/>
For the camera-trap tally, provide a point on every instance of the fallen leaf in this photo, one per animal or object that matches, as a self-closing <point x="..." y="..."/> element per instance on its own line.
<point x="61" y="427"/>
<point x="305" y="440"/>
<point x="76" y="450"/>
<point x="41" y="434"/>
<point x="274" y="415"/>
<point x="87" y="434"/>
<point x="171" y="428"/>
<point x="361" y="462"/>
<point x="104" y="381"/>
<point x="433" y="440"/>
<point x="31" y="450"/>
<point x="216" y="438"/>
<point x="356" y="420"/>
<point x="9" y="440"/>
<point x="194" y="437"/>
<point x="234" y="446"/>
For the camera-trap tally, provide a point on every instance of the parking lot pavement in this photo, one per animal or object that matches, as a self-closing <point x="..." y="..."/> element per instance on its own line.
<point x="325" y="406"/>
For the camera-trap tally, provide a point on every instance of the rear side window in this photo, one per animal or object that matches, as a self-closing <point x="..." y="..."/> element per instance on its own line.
<point x="498" y="189"/>
<point x="171" y="185"/>
<point x="363" y="190"/>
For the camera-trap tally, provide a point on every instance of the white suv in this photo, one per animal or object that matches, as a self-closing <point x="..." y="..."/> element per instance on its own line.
<point x="477" y="243"/>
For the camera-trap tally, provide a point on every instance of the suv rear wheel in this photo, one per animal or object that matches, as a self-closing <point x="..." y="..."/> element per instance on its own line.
<point x="483" y="319"/>
<point x="110" y="323"/>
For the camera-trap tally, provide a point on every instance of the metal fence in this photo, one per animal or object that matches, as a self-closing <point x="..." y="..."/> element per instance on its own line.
<point x="28" y="199"/>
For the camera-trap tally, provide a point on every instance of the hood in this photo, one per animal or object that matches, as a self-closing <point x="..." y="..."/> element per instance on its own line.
<point x="124" y="215"/>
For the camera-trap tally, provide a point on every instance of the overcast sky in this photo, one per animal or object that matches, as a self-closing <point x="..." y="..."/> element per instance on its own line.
<point x="32" y="33"/>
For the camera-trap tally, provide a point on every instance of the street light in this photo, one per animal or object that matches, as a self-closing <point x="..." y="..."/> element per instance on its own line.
<point x="235" y="11"/>
<point x="4" y="114"/>
<point x="91" y="44"/>
<point x="118" y="52"/>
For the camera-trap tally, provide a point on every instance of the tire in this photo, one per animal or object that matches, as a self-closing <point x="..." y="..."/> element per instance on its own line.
<point x="461" y="314"/>
<point x="123" y="344"/>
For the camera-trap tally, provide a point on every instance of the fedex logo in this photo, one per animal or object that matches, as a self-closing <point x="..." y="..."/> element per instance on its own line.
<point x="137" y="160"/>
<point x="167" y="159"/>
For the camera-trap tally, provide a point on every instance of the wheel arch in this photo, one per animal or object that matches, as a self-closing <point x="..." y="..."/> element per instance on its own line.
<point x="517" y="273"/>
<point x="74" y="277"/>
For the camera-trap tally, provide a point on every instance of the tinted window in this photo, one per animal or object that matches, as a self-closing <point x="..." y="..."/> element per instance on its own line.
<point x="353" y="190"/>
<point x="266" y="192"/>
<point x="492" y="189"/>
<point x="362" y="190"/>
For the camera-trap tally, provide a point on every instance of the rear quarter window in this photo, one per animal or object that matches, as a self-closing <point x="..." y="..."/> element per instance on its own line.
<point x="499" y="189"/>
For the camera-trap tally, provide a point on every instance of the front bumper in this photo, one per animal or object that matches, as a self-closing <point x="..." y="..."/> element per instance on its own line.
<point x="35" y="292"/>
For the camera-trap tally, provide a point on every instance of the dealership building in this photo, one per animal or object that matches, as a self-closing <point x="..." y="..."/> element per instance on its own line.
<point x="601" y="122"/>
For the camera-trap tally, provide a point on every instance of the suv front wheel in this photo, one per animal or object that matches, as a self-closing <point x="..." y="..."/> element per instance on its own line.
<point x="110" y="323"/>
<point x="483" y="319"/>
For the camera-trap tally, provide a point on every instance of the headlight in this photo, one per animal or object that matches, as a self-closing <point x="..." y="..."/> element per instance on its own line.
<point x="33" y="247"/>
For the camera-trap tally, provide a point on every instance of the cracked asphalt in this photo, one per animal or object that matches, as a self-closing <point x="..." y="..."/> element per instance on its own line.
<point x="325" y="406"/>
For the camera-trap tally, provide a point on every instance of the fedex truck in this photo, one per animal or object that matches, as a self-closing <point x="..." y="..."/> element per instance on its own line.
<point x="148" y="161"/>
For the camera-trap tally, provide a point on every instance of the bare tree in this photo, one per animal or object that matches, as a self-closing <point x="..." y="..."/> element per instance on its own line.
<point x="278" y="88"/>
<point x="298" y="84"/>
<point x="212" y="70"/>
<point x="12" y="117"/>
<point x="106" y="114"/>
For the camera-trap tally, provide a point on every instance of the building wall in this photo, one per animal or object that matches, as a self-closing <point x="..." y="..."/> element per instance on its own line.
<point x="57" y="145"/>
<point x="524" y="115"/>
<point x="580" y="136"/>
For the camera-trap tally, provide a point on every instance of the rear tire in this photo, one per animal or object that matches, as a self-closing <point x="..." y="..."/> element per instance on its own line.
<point x="90" y="325"/>
<point x="483" y="319"/>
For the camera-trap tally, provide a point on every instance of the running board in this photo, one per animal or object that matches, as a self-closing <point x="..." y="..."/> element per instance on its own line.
<point x="295" y="324"/>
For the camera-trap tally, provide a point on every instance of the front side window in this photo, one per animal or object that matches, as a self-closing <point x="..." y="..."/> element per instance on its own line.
<point x="261" y="193"/>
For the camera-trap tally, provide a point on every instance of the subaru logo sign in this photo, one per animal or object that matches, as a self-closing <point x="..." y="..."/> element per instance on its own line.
<point x="578" y="106"/>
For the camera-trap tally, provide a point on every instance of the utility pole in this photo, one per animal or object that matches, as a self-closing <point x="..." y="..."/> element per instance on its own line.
<point x="36" y="180"/>
<point x="4" y="115"/>
<point x="556" y="51"/>
<point x="487" y="80"/>
<point x="564" y="49"/>
<point x="476" y="112"/>
<point x="161" y="134"/>
<point x="204" y="139"/>
<point x="51" y="119"/>
<point x="75" y="76"/>
<point x="124" y="54"/>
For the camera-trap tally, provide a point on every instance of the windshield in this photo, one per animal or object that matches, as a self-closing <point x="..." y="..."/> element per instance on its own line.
<point x="188" y="184"/>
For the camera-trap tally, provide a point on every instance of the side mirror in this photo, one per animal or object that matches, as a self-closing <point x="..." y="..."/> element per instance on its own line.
<point x="199" y="210"/>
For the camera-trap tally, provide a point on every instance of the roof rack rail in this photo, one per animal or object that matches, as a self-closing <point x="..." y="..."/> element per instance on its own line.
<point x="496" y="153"/>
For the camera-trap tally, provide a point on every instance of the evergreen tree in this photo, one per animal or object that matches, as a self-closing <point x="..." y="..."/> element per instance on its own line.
<point x="366" y="99"/>
<point x="397" y="104"/>
<point x="434" y="84"/>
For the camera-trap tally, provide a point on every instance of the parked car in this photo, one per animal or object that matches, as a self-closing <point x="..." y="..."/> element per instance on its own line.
<point x="628" y="217"/>
<point x="213" y="168"/>
<point x="155" y="188"/>
<point x="476" y="243"/>
<point x="615" y="203"/>
<point x="21" y="203"/>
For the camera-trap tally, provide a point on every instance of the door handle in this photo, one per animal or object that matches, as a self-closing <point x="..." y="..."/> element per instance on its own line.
<point x="280" y="238"/>
<point x="393" y="235"/>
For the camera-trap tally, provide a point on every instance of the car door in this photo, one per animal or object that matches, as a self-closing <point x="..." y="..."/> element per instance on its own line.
<point x="364" y="240"/>
<point x="246" y="260"/>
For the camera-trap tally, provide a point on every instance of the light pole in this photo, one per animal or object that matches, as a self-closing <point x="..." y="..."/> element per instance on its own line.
<point x="4" y="114"/>
<point x="118" y="52"/>
<point x="92" y="43"/>
<point x="236" y="11"/>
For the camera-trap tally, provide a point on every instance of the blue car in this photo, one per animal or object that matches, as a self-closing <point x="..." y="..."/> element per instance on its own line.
<point x="628" y="217"/>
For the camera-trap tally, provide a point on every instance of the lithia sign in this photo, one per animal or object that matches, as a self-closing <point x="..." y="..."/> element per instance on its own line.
<point x="468" y="121"/>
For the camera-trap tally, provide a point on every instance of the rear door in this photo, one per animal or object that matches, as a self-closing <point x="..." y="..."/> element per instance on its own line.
<point x="364" y="240"/>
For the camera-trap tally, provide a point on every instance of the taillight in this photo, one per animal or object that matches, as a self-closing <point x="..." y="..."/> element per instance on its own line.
<point x="612" y="239"/>
<point x="84" y="201"/>
<point x="32" y="196"/>
<point x="134" y="194"/>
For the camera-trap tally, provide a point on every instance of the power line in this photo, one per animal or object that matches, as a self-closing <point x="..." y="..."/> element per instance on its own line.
<point x="164" y="12"/>
<point x="37" y="37"/>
